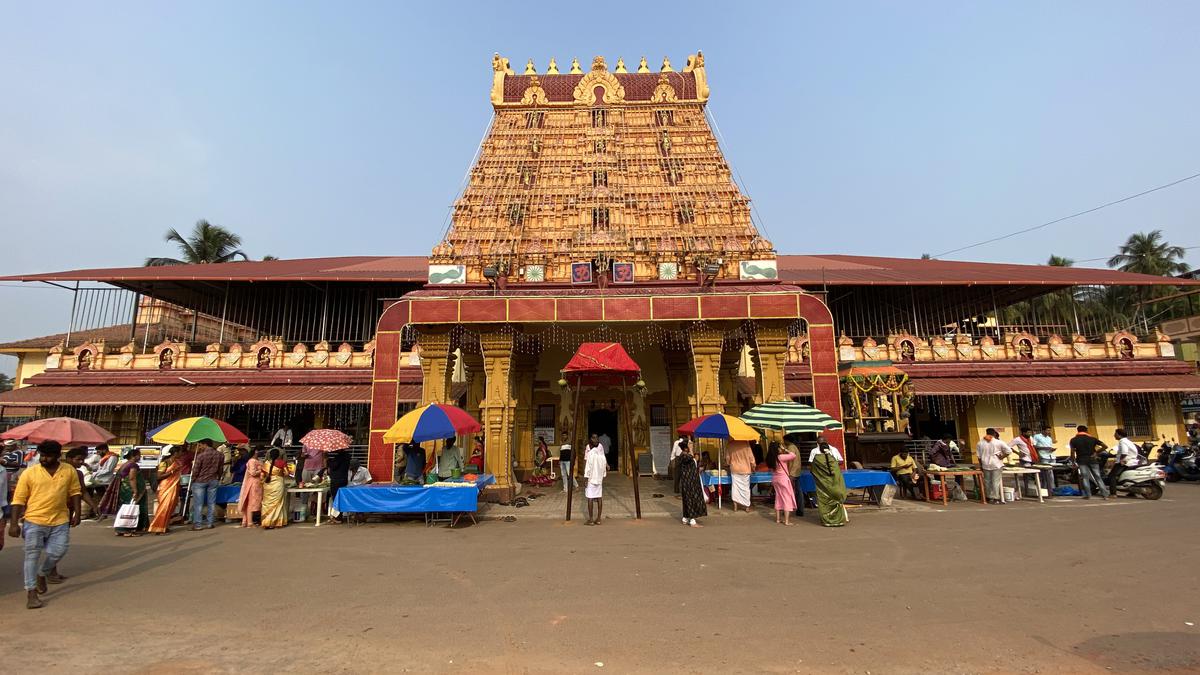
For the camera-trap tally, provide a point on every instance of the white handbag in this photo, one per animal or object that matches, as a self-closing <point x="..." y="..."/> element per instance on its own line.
<point x="127" y="517"/>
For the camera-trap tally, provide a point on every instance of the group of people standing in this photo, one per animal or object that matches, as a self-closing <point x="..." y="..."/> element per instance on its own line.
<point x="782" y="461"/>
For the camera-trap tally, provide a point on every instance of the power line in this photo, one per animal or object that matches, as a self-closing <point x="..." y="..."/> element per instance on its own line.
<point x="1073" y="215"/>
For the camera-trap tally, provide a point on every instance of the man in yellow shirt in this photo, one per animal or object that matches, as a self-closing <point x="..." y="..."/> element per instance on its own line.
<point x="47" y="497"/>
<point x="904" y="468"/>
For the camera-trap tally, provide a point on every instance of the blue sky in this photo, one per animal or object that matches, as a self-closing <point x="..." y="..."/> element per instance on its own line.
<point x="345" y="128"/>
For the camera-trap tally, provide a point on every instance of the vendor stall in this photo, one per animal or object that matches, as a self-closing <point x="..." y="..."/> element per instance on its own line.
<point x="456" y="497"/>
<point x="855" y="478"/>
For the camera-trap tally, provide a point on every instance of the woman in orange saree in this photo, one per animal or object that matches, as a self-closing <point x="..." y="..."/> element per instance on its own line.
<point x="250" y="499"/>
<point x="168" y="497"/>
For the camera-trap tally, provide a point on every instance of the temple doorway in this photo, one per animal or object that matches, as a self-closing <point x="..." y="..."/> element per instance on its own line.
<point x="603" y="422"/>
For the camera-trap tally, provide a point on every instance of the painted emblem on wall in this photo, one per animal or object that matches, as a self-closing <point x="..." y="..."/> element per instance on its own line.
<point x="447" y="274"/>
<point x="668" y="271"/>
<point x="581" y="272"/>
<point x="759" y="269"/>
<point x="622" y="273"/>
<point x="535" y="273"/>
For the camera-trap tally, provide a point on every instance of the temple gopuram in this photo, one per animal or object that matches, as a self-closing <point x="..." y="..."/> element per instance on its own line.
<point x="600" y="208"/>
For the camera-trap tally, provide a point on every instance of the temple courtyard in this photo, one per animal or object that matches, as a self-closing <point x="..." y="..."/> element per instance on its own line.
<point x="1066" y="587"/>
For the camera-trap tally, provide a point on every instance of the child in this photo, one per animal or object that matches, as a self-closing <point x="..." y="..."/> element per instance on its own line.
<point x="595" y="467"/>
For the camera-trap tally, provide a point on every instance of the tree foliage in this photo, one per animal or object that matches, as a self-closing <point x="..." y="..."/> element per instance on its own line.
<point x="206" y="243"/>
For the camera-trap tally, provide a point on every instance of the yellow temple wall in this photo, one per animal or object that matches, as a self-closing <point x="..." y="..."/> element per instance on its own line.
<point x="1104" y="419"/>
<point x="1166" y="419"/>
<point x="988" y="411"/>
<point x="28" y="365"/>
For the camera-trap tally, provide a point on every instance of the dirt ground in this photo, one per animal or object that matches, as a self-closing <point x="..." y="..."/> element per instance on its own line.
<point x="1067" y="587"/>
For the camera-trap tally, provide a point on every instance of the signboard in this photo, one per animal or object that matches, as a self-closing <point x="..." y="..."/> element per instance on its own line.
<point x="758" y="269"/>
<point x="447" y="274"/>
<point x="660" y="448"/>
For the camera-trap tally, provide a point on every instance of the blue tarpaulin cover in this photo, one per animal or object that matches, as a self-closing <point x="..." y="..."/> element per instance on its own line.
<point x="855" y="478"/>
<point x="228" y="494"/>
<point x="411" y="498"/>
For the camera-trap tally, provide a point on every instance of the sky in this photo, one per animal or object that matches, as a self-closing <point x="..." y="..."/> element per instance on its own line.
<point x="321" y="129"/>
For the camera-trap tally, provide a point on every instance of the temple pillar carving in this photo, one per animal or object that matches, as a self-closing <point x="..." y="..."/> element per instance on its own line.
<point x="679" y="385"/>
<point x="706" y="368"/>
<point x="437" y="366"/>
<point x="770" y="345"/>
<point x="524" y="369"/>
<point x="730" y="358"/>
<point x="498" y="407"/>
<point x="473" y="364"/>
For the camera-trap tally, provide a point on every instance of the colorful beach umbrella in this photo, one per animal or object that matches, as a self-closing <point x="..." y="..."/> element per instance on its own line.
<point x="65" y="430"/>
<point x="326" y="440"/>
<point x="431" y="423"/>
<point x="718" y="425"/>
<point x="789" y="417"/>
<point x="193" y="429"/>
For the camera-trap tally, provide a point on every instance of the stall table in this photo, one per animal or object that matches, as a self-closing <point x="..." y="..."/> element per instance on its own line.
<point x="424" y="499"/>
<point x="855" y="478"/>
<point x="1016" y="472"/>
<point x="320" y="491"/>
<point x="943" y="475"/>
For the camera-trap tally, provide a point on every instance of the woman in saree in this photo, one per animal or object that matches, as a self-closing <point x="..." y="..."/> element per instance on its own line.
<point x="128" y="487"/>
<point x="168" y="497"/>
<point x="831" y="486"/>
<point x="251" y="497"/>
<point x="274" y="492"/>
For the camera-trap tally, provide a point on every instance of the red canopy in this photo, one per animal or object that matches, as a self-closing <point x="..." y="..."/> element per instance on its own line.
<point x="601" y="363"/>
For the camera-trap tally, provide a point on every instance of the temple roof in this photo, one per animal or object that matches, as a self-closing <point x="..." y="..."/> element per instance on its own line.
<point x="804" y="270"/>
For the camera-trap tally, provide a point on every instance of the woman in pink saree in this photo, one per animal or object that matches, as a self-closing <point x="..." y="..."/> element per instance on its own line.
<point x="250" y="499"/>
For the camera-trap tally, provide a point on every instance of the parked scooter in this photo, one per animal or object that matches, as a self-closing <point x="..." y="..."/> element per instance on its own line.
<point x="1182" y="464"/>
<point x="1146" y="481"/>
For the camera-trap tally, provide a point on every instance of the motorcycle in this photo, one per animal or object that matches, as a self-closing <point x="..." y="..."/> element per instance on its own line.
<point x="1146" y="481"/>
<point x="1181" y="464"/>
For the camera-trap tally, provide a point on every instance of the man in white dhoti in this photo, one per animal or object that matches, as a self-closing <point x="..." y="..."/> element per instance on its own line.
<point x="741" y="465"/>
<point x="595" y="467"/>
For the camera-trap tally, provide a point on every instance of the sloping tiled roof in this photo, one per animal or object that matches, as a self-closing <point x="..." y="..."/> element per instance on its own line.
<point x="113" y="335"/>
<point x="157" y="394"/>
<point x="805" y="270"/>
<point x="1057" y="384"/>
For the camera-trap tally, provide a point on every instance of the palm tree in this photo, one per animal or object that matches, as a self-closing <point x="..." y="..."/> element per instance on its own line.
<point x="1058" y="307"/>
<point x="1148" y="253"/>
<point x="207" y="243"/>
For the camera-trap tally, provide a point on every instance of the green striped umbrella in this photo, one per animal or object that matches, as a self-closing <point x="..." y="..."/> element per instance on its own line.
<point x="789" y="417"/>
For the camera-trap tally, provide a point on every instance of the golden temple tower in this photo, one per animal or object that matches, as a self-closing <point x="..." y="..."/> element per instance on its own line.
<point x="600" y="177"/>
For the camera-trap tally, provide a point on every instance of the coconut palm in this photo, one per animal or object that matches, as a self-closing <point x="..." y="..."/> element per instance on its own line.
<point x="207" y="243"/>
<point x="1148" y="253"/>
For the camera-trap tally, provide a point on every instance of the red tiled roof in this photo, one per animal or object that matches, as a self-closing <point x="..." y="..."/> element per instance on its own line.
<point x="118" y="334"/>
<point x="807" y="270"/>
<point x="638" y="86"/>
<point x="1061" y="384"/>
<point x="206" y="393"/>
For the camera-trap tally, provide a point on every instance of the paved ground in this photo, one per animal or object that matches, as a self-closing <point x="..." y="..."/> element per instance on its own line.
<point x="1072" y="587"/>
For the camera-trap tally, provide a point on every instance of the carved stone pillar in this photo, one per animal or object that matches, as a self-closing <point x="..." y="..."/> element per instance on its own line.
<point x="473" y="364"/>
<point x="437" y="365"/>
<point x="524" y="369"/>
<point x="730" y="358"/>
<point x="497" y="408"/>
<point x="770" y="354"/>
<point x="679" y="385"/>
<point x="706" y="368"/>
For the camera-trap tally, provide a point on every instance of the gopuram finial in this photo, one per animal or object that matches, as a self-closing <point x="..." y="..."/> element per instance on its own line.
<point x="642" y="67"/>
<point x="529" y="69"/>
<point x="553" y="69"/>
<point x="666" y="66"/>
<point x="621" y="65"/>
<point x="575" y="69"/>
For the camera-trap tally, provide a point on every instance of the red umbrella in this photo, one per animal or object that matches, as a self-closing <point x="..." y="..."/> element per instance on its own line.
<point x="326" y="440"/>
<point x="65" y="430"/>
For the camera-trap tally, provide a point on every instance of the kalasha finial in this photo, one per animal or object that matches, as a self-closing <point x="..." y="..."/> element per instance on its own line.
<point x="642" y="67"/>
<point x="621" y="65"/>
<point x="553" y="69"/>
<point x="575" y="69"/>
<point x="529" y="69"/>
<point x="666" y="66"/>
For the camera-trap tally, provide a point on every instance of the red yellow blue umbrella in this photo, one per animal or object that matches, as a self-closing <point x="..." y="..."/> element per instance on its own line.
<point x="431" y="422"/>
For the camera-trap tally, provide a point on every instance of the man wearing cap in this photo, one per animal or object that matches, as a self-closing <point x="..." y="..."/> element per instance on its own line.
<point x="47" y="497"/>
